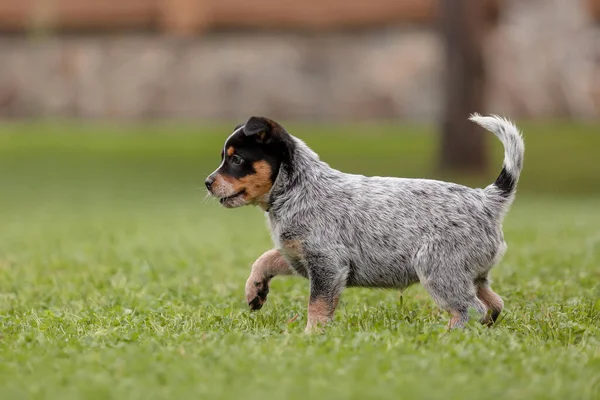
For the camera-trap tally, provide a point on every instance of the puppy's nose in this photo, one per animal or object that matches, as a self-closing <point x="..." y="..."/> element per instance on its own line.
<point x="209" y="181"/>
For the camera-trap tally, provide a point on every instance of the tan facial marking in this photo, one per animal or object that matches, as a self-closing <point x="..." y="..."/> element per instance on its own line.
<point x="230" y="151"/>
<point x="259" y="183"/>
<point x="255" y="186"/>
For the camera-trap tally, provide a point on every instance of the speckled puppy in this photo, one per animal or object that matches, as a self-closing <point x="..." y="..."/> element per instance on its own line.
<point x="342" y="230"/>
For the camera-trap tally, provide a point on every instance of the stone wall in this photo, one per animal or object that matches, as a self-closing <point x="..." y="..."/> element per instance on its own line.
<point x="543" y="59"/>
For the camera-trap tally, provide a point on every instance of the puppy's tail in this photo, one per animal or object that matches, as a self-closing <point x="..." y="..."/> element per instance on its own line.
<point x="514" y="150"/>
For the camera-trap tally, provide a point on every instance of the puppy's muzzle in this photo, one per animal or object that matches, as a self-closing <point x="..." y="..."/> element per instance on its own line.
<point x="209" y="182"/>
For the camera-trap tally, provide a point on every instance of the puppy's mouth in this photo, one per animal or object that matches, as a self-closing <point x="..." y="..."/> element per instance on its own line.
<point x="229" y="201"/>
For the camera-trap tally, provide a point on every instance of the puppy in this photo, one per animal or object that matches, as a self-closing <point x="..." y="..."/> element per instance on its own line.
<point x="340" y="230"/>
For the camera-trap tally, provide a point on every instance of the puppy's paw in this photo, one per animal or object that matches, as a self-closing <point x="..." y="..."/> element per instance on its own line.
<point x="314" y="329"/>
<point x="256" y="293"/>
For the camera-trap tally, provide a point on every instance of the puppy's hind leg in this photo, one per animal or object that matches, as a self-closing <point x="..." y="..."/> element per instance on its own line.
<point x="456" y="297"/>
<point x="492" y="301"/>
<point x="268" y="265"/>
<point x="451" y="287"/>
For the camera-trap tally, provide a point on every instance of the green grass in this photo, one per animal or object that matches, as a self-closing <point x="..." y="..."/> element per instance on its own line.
<point x="117" y="280"/>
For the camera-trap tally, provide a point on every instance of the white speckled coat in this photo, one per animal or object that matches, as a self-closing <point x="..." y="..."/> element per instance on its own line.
<point x="339" y="229"/>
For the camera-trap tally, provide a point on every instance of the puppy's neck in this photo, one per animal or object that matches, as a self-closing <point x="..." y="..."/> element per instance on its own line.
<point x="296" y="175"/>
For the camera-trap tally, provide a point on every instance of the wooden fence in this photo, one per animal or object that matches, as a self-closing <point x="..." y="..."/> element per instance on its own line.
<point x="190" y="17"/>
<point x="185" y="17"/>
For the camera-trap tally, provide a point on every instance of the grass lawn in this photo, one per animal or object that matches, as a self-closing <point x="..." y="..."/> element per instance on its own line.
<point x="118" y="280"/>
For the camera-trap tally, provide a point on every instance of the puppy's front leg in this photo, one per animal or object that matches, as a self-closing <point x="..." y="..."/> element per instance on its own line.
<point x="326" y="285"/>
<point x="270" y="264"/>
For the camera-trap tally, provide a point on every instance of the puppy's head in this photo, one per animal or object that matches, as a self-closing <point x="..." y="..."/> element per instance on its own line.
<point x="250" y="162"/>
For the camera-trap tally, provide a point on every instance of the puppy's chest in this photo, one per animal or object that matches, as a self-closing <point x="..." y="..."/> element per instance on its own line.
<point x="290" y="244"/>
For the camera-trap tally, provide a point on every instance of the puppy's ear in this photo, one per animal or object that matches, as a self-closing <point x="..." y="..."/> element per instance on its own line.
<point x="265" y="130"/>
<point x="268" y="132"/>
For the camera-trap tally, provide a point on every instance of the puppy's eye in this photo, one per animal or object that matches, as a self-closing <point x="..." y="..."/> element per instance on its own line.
<point x="236" y="160"/>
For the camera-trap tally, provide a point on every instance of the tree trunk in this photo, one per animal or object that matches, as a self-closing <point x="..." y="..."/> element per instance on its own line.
<point x="463" y="28"/>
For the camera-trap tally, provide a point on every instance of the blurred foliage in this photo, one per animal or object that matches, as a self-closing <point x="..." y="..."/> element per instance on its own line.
<point x="561" y="158"/>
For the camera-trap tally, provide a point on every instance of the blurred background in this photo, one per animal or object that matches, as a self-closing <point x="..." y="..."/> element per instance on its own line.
<point x="314" y="61"/>
<point x="311" y="60"/>
<point x="107" y="106"/>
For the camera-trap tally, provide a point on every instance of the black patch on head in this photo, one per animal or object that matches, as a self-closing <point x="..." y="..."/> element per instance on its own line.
<point x="260" y="140"/>
<point x="265" y="130"/>
<point x="505" y="182"/>
<point x="257" y="126"/>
